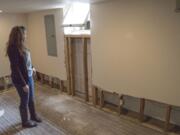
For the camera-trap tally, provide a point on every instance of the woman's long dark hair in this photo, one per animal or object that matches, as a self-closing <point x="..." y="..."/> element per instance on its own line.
<point x="17" y="40"/>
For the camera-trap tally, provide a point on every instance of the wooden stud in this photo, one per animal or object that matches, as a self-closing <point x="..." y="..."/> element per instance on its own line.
<point x="37" y="76"/>
<point x="168" y="117"/>
<point x="52" y="82"/>
<point x="49" y="81"/>
<point x="95" y="95"/>
<point x="72" y="69"/>
<point x="121" y="103"/>
<point x="68" y="66"/>
<point x="101" y="98"/>
<point x="61" y="85"/>
<point x="42" y="78"/>
<point x="66" y="59"/>
<point x="66" y="51"/>
<point x="85" y="61"/>
<point x="142" y="107"/>
<point x="69" y="62"/>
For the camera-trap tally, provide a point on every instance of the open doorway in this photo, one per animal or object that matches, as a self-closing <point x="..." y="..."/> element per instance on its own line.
<point x="78" y="59"/>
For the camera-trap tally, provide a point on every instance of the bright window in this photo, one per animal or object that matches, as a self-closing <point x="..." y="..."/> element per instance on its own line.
<point x="77" y="19"/>
<point x="77" y="14"/>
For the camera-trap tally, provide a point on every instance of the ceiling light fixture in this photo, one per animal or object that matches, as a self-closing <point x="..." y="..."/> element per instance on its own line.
<point x="1" y="11"/>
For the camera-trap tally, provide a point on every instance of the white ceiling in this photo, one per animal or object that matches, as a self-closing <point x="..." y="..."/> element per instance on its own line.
<point x="24" y="6"/>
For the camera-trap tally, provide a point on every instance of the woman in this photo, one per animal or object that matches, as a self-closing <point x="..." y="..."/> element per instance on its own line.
<point x="22" y="75"/>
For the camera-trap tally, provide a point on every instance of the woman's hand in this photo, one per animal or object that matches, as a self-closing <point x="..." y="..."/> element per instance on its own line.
<point x="34" y="71"/>
<point x="26" y="88"/>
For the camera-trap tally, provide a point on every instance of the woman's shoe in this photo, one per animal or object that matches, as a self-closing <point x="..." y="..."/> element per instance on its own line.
<point x="33" y="114"/>
<point x="37" y="119"/>
<point x="29" y="124"/>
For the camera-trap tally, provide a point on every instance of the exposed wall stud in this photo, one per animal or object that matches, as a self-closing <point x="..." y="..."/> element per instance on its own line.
<point x="42" y="78"/>
<point x="168" y="117"/>
<point x="71" y="62"/>
<point x="51" y="82"/>
<point x="121" y="103"/>
<point x="142" y="107"/>
<point x="61" y="85"/>
<point x="68" y="65"/>
<point x="95" y="95"/>
<point x="101" y="98"/>
<point x="85" y="59"/>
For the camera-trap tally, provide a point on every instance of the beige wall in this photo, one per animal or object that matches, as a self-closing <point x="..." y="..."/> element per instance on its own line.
<point x="136" y="48"/>
<point x="7" y="21"/>
<point x="53" y="66"/>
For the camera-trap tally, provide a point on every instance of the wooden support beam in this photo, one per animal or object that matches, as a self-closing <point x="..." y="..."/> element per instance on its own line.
<point x="85" y="62"/>
<point x="95" y="95"/>
<point x="42" y="78"/>
<point x="101" y="98"/>
<point x="72" y="70"/>
<point x="121" y="103"/>
<point x="142" y="107"/>
<point x="37" y="76"/>
<point x="68" y="40"/>
<point x="61" y="85"/>
<point x="51" y="81"/>
<point x="168" y="117"/>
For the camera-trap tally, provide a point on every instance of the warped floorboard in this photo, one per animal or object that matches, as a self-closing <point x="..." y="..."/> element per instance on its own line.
<point x="64" y="115"/>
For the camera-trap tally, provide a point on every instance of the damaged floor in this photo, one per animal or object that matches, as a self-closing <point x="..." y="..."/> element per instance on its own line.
<point x="65" y="115"/>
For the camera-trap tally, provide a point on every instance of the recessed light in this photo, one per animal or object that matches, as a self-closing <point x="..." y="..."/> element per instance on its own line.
<point x="1" y="11"/>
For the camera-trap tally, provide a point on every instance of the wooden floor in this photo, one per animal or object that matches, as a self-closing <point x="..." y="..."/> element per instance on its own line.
<point x="65" y="115"/>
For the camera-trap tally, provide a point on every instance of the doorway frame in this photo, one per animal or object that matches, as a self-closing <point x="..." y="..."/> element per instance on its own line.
<point x="70" y="63"/>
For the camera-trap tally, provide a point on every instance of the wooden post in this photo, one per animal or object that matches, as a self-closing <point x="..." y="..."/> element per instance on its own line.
<point x="68" y="65"/>
<point x="95" y="95"/>
<point x="71" y="49"/>
<point x="37" y="76"/>
<point x="168" y="117"/>
<point x="51" y="81"/>
<point x="85" y="59"/>
<point x="142" y="107"/>
<point x="101" y="98"/>
<point x="61" y="85"/>
<point x="42" y="78"/>
<point x="121" y="103"/>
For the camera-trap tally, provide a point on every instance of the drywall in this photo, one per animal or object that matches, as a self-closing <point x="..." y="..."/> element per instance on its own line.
<point x="53" y="66"/>
<point x="136" y="50"/>
<point x="7" y="21"/>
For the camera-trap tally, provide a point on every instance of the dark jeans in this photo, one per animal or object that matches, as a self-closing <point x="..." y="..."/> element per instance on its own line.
<point x="27" y="101"/>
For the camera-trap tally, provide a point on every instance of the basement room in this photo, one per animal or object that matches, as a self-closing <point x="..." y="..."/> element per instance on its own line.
<point x="89" y="67"/>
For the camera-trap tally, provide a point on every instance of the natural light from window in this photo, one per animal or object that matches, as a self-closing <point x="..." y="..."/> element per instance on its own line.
<point x="75" y="18"/>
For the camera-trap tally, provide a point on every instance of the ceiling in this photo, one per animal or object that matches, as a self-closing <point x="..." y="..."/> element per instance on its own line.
<point x="25" y="6"/>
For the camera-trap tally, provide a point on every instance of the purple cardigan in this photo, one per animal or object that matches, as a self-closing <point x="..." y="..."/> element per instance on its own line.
<point x="19" y="73"/>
